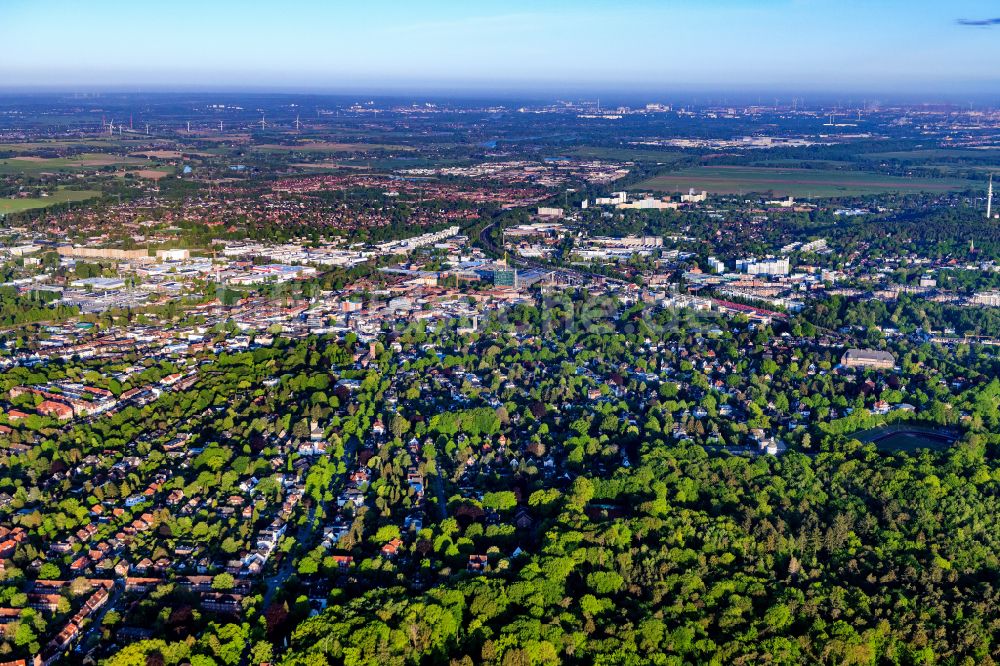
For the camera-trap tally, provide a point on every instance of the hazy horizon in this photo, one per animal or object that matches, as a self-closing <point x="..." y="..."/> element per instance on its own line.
<point x="795" y="47"/>
<point x="526" y="94"/>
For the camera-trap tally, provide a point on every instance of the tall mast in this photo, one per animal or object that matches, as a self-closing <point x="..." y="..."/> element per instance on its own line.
<point x="989" y="198"/>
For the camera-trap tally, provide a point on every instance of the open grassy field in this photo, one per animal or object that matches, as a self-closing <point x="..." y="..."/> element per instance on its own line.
<point x="58" y="197"/>
<point x="31" y="146"/>
<point x="160" y="154"/>
<point x="63" y="144"/>
<point x="935" y="153"/>
<point x="226" y="138"/>
<point x="623" y="154"/>
<point x="29" y="164"/>
<point x="329" y="147"/>
<point x="793" y="163"/>
<point x="794" y="182"/>
<point x="325" y="166"/>
<point x="152" y="174"/>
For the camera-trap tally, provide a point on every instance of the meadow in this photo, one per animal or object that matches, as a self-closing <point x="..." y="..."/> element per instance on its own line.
<point x="795" y="182"/>
<point x="329" y="147"/>
<point x="624" y="154"/>
<point x="922" y="154"/>
<point x="57" y="197"/>
<point x="31" y="165"/>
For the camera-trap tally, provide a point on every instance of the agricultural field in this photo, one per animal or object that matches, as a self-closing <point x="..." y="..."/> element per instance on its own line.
<point x="82" y="143"/>
<point x="58" y="197"/>
<point x="166" y="154"/>
<point x="795" y="182"/>
<point x="34" y="165"/>
<point x="790" y="163"/>
<point x="935" y="154"/>
<point x="325" y="165"/>
<point x="152" y="174"/>
<point x="328" y="147"/>
<point x="625" y="154"/>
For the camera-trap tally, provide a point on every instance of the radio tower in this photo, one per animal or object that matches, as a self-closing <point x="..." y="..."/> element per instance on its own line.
<point x="989" y="198"/>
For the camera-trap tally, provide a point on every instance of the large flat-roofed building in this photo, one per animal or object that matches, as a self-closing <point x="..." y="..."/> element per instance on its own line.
<point x="173" y="255"/>
<point x="629" y="242"/>
<point x="651" y="203"/>
<point x="991" y="298"/>
<point x="770" y="266"/>
<point x="505" y="278"/>
<point x="693" y="196"/>
<point x="103" y="253"/>
<point x="868" y="358"/>
<point x="99" y="283"/>
<point x="615" y="199"/>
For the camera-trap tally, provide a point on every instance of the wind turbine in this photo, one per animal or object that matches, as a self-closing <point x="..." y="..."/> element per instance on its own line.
<point x="297" y="124"/>
<point x="263" y="123"/>
<point x="111" y="127"/>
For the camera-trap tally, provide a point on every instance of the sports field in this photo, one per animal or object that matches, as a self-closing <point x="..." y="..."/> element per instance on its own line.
<point x="907" y="437"/>
<point x="795" y="182"/>
<point x="911" y="441"/>
<point x="58" y="197"/>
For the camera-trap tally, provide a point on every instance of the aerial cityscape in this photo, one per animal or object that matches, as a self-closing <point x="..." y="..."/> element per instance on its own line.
<point x="450" y="334"/>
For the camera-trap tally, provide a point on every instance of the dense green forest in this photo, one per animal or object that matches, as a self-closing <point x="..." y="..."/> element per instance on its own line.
<point x="852" y="557"/>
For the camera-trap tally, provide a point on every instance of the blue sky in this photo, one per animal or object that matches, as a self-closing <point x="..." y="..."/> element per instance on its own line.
<point x="841" y="45"/>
